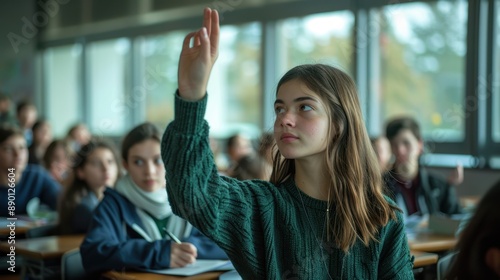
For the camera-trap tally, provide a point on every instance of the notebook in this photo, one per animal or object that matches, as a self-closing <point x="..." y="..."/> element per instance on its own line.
<point x="200" y="266"/>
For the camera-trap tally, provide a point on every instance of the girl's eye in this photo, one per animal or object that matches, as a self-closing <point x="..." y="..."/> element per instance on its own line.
<point x="279" y="110"/>
<point x="139" y="162"/>
<point x="305" y="108"/>
<point x="158" y="161"/>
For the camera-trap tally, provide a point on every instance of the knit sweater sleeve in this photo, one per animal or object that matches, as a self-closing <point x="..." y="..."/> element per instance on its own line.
<point x="224" y="209"/>
<point x="395" y="259"/>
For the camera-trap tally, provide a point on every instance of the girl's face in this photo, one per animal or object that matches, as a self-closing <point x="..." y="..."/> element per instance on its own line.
<point x="100" y="169"/>
<point x="43" y="135"/>
<point x="145" y="166"/>
<point x="14" y="154"/>
<point x="302" y="121"/>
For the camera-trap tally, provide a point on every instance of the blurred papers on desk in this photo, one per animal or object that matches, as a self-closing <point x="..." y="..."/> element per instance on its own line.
<point x="200" y="266"/>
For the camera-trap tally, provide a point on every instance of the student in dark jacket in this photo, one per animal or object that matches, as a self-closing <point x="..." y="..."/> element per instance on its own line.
<point x="96" y="166"/>
<point x="20" y="180"/>
<point x="415" y="190"/>
<point x="127" y="229"/>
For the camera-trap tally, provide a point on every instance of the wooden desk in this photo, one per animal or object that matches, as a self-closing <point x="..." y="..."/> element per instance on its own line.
<point x="430" y="242"/>
<point x="39" y="253"/>
<point x="114" y="275"/>
<point x="21" y="227"/>
<point x="424" y="258"/>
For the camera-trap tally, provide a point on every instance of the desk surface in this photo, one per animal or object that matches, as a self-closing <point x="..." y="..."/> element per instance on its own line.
<point x="44" y="247"/>
<point x="430" y="242"/>
<point x="424" y="258"/>
<point x="114" y="275"/>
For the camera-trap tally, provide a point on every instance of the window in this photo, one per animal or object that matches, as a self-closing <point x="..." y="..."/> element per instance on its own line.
<point x="320" y="38"/>
<point x="235" y="95"/>
<point x="496" y="80"/>
<point x="422" y="66"/>
<point x="108" y="73"/>
<point x="159" y="76"/>
<point x="62" y="84"/>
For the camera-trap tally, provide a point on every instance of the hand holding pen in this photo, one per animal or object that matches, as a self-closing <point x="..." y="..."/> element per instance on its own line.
<point x="181" y="254"/>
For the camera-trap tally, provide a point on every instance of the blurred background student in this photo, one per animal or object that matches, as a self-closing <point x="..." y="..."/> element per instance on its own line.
<point x="31" y="181"/>
<point x="57" y="160"/>
<point x="42" y="136"/>
<point x="95" y="167"/>
<point x="78" y="135"/>
<point x="479" y="244"/>
<point x="252" y="166"/>
<point x="413" y="187"/>
<point x="382" y="148"/>
<point x="26" y="114"/>
<point x="127" y="229"/>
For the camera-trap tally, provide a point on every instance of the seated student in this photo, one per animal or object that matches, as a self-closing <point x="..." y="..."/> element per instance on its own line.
<point x="127" y="229"/>
<point x="414" y="188"/>
<point x="250" y="167"/>
<point x="26" y="114"/>
<point x="78" y="135"/>
<point x="57" y="160"/>
<point x="42" y="136"/>
<point x="95" y="167"/>
<point x="382" y="149"/>
<point x="30" y="180"/>
<point x="479" y="244"/>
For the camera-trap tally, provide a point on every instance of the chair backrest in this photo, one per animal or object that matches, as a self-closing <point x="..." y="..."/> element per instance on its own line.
<point x="444" y="264"/>
<point x="72" y="267"/>
<point x="41" y="231"/>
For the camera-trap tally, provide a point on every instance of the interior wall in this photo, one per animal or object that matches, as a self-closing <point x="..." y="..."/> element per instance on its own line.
<point x="476" y="182"/>
<point x="17" y="48"/>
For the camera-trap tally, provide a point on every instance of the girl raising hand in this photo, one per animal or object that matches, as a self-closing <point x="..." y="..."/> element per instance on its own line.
<point x="322" y="215"/>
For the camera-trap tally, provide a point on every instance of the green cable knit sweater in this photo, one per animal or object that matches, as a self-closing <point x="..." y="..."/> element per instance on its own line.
<point x="268" y="231"/>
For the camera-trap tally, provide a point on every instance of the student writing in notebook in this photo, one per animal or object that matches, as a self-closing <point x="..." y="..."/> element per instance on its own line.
<point x="127" y="229"/>
<point x="323" y="214"/>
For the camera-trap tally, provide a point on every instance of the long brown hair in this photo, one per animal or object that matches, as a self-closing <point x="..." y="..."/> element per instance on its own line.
<point x="356" y="190"/>
<point x="78" y="188"/>
<point x="481" y="234"/>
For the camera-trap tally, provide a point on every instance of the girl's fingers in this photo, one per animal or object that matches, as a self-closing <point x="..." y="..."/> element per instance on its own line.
<point x="207" y="17"/>
<point x="187" y="40"/>
<point x="214" y="32"/>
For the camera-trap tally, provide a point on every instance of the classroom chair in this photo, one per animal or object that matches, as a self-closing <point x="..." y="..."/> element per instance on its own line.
<point x="444" y="265"/>
<point x="72" y="267"/>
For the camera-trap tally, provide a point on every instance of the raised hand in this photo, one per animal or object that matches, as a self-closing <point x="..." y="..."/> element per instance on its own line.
<point x="182" y="254"/>
<point x="199" y="53"/>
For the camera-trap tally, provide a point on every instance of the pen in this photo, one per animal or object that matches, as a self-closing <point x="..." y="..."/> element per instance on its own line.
<point x="172" y="236"/>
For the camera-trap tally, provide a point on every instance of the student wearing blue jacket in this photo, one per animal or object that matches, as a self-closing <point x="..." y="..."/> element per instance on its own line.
<point x="19" y="180"/>
<point x="127" y="229"/>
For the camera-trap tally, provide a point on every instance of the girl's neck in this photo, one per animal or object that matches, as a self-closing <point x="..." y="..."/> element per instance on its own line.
<point x="312" y="178"/>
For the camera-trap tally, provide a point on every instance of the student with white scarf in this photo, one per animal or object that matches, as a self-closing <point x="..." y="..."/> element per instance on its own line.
<point x="127" y="230"/>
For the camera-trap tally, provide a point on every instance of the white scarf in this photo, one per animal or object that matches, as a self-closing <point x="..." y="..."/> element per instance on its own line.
<point x="155" y="204"/>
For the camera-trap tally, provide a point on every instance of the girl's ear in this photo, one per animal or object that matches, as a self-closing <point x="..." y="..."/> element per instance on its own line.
<point x="492" y="259"/>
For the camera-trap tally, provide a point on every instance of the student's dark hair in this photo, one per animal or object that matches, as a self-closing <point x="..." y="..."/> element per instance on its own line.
<point x="48" y="157"/>
<point x="249" y="167"/>
<point x="138" y="134"/>
<point x="231" y="140"/>
<point x="23" y="104"/>
<point x="394" y="126"/>
<point x="7" y="131"/>
<point x="482" y="233"/>
<point x="355" y="194"/>
<point x="78" y="188"/>
<point x="4" y="97"/>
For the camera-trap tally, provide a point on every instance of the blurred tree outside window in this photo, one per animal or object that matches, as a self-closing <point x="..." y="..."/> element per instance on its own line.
<point x="320" y="38"/>
<point x="422" y="66"/>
